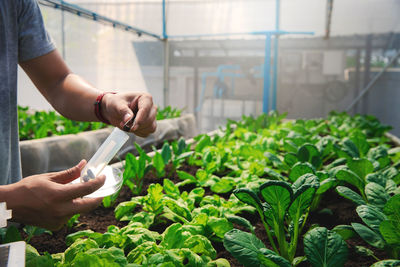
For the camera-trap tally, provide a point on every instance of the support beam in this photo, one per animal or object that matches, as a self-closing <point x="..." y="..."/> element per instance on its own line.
<point x="267" y="73"/>
<point x="276" y="61"/>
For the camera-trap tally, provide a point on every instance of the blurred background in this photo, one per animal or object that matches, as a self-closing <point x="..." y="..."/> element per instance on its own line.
<point x="222" y="59"/>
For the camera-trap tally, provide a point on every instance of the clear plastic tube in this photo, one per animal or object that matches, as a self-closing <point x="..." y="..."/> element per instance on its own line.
<point x="104" y="154"/>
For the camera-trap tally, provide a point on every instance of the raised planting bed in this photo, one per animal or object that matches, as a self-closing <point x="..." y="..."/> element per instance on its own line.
<point x="261" y="193"/>
<point x="62" y="152"/>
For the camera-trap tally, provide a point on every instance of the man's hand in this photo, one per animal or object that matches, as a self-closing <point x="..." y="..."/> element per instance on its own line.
<point x="121" y="107"/>
<point x="47" y="200"/>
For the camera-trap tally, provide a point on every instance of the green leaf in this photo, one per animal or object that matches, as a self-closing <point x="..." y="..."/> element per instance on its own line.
<point x="71" y="238"/>
<point x="219" y="226"/>
<point x="350" y="149"/>
<point x="360" y="141"/>
<point x="203" y="142"/>
<point x="124" y="208"/>
<point x="302" y="200"/>
<point x="376" y="194"/>
<point x="369" y="236"/>
<point x="325" y="248"/>
<point x="111" y="255"/>
<point x="159" y="165"/>
<point x="309" y="153"/>
<point x="345" y="231"/>
<point x="387" y="263"/>
<point x="173" y="237"/>
<point x="371" y="216"/>
<point x="40" y="261"/>
<point x="166" y="153"/>
<point x="350" y="195"/>
<point x="300" y="169"/>
<point x="290" y="159"/>
<point x="391" y="208"/>
<point x="249" y="197"/>
<point x="390" y="231"/>
<point x="12" y="235"/>
<point x="241" y="221"/>
<point x="350" y="177"/>
<point x="361" y="167"/>
<point x="273" y="159"/>
<point x="200" y="245"/>
<point x="171" y="189"/>
<point x="244" y="247"/>
<point x="278" y="194"/>
<point x="271" y="259"/>
<point x="80" y="245"/>
<point x="325" y="185"/>
<point x="186" y="176"/>
<point x="223" y="185"/>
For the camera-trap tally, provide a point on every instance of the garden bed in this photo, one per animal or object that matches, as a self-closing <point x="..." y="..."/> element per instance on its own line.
<point x="340" y="172"/>
<point x="343" y="212"/>
<point x="62" y="152"/>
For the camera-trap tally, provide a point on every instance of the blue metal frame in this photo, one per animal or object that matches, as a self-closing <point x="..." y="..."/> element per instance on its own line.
<point x="276" y="49"/>
<point x="164" y="22"/>
<point x="86" y="13"/>
<point x="267" y="73"/>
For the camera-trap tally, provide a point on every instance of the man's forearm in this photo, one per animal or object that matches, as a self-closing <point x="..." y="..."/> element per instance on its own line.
<point x="73" y="97"/>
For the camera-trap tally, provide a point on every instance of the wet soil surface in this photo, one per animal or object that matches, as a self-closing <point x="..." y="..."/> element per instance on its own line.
<point x="333" y="210"/>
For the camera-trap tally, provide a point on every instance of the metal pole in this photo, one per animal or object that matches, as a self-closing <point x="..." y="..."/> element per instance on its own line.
<point x="372" y="82"/>
<point x="166" y="73"/>
<point x="166" y="57"/>
<point x="164" y="22"/>
<point x="276" y="50"/>
<point x="367" y="70"/>
<point x="357" y="86"/>
<point x="267" y="73"/>
<point x="329" y="7"/>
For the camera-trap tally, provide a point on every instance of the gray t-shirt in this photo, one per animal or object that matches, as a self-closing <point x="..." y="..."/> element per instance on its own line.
<point x="22" y="37"/>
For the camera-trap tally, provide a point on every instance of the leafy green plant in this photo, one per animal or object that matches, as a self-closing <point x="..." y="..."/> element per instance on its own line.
<point x="382" y="226"/>
<point x="135" y="170"/>
<point x="284" y="211"/>
<point x="73" y="221"/>
<point x="325" y="248"/>
<point x="179" y="245"/>
<point x="168" y="113"/>
<point x="39" y="124"/>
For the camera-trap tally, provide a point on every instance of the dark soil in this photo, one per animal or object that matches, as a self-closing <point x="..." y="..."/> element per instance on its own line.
<point x="333" y="210"/>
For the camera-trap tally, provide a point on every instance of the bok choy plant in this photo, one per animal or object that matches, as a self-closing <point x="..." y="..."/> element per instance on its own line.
<point x="284" y="213"/>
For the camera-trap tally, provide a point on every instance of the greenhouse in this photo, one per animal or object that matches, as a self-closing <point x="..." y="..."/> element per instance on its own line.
<point x="198" y="133"/>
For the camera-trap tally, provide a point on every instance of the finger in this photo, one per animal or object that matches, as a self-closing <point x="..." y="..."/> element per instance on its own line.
<point x="148" y="122"/>
<point x="83" y="205"/>
<point x="145" y="105"/>
<point x="124" y="112"/>
<point x="67" y="176"/>
<point x="72" y="191"/>
<point x="147" y="131"/>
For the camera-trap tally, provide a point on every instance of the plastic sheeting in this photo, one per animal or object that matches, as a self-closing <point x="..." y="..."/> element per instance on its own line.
<point x="62" y="152"/>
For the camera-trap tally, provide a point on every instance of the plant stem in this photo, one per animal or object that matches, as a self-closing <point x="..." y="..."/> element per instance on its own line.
<point x="271" y="240"/>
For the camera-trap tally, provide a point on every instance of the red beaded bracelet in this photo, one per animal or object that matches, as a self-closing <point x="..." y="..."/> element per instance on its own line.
<point x="97" y="107"/>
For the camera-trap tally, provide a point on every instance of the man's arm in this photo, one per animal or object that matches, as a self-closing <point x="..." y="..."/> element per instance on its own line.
<point x="73" y="97"/>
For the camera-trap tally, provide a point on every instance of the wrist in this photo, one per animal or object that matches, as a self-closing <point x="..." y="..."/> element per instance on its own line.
<point x="100" y="106"/>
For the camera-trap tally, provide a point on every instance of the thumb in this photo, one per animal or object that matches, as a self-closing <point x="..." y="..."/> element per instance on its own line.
<point x="67" y="176"/>
<point x="125" y="114"/>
